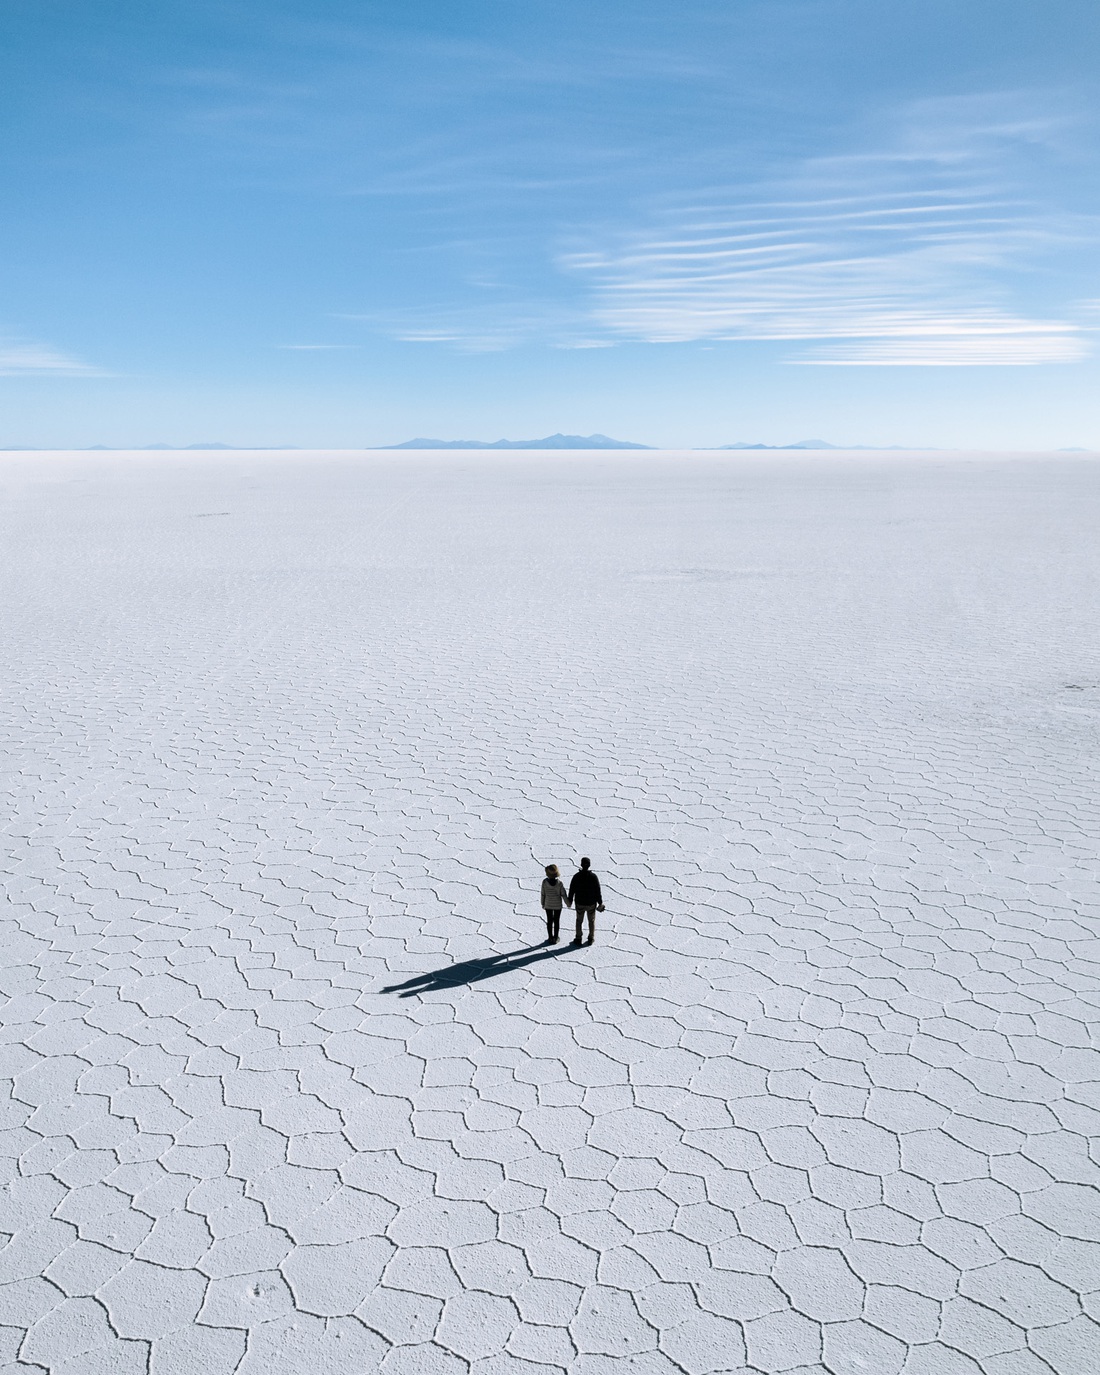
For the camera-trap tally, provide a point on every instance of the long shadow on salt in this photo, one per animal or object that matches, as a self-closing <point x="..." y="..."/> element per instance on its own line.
<point x="472" y="971"/>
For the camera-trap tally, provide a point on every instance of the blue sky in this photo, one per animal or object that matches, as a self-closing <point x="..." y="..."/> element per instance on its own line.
<point x="696" y="223"/>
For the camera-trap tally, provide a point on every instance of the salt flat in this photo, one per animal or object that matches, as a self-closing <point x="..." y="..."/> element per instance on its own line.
<point x="292" y="1087"/>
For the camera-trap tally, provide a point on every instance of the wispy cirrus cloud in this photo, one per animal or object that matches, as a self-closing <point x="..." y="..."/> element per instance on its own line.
<point x="490" y="327"/>
<point x="1014" y="349"/>
<point x="907" y="253"/>
<point x="19" y="359"/>
<point x="928" y="246"/>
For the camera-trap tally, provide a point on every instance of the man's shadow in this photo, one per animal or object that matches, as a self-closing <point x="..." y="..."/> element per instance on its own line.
<point x="473" y="971"/>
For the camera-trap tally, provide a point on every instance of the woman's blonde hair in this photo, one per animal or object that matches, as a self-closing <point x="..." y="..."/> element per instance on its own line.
<point x="552" y="871"/>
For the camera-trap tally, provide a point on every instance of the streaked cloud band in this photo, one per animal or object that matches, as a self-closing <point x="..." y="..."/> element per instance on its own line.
<point x="907" y="251"/>
<point x="40" y="360"/>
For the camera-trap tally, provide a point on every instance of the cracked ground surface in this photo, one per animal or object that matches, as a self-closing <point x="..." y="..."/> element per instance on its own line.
<point x="291" y="1087"/>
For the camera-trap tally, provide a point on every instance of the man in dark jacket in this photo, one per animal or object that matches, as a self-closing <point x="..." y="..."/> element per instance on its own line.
<point x="586" y="898"/>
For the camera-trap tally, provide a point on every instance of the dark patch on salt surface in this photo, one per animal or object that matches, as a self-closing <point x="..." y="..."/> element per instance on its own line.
<point x="205" y="515"/>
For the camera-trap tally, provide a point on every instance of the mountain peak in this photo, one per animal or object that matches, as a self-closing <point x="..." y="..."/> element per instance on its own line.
<point x="553" y="441"/>
<point x="802" y="444"/>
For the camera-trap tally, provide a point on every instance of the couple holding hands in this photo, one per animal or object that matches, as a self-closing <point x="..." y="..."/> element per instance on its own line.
<point x="583" y="894"/>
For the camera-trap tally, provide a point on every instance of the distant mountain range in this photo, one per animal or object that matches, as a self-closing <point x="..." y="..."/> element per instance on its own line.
<point x="143" y="448"/>
<point x="602" y="441"/>
<point x="802" y="444"/>
<point x="186" y="448"/>
<point x="812" y="444"/>
<point x="553" y="441"/>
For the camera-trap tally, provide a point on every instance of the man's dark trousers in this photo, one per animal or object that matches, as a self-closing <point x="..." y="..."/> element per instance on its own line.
<point x="590" y="913"/>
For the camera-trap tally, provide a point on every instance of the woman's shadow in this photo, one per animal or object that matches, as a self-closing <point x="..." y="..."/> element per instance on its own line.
<point x="473" y="971"/>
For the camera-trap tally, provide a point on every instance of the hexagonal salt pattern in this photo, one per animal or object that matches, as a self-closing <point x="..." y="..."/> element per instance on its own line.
<point x="292" y="1085"/>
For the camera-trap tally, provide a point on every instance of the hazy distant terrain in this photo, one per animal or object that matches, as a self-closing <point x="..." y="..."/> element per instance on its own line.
<point x="292" y="1085"/>
<point x="553" y="441"/>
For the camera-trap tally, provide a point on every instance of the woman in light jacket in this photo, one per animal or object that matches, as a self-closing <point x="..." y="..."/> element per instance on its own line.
<point x="553" y="899"/>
